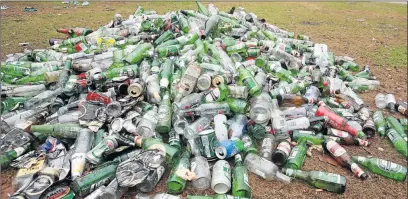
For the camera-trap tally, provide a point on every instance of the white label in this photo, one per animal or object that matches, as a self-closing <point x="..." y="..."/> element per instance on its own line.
<point x="246" y="181"/>
<point x="294" y="153"/>
<point x="19" y="151"/>
<point x="260" y="173"/>
<point x="339" y="133"/>
<point x="335" y="148"/>
<point x="356" y="169"/>
<point x="388" y="166"/>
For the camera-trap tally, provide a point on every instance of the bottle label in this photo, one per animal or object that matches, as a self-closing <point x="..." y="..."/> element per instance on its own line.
<point x="356" y="169"/>
<point x="393" y="135"/>
<point x="294" y="153"/>
<point x="285" y="147"/>
<point x="246" y="181"/>
<point x="339" y="133"/>
<point x="259" y="173"/>
<point x="19" y="151"/>
<point x="306" y="132"/>
<point x="159" y="147"/>
<point x="388" y="166"/>
<point x="401" y="109"/>
<point x="335" y="149"/>
<point x="331" y="177"/>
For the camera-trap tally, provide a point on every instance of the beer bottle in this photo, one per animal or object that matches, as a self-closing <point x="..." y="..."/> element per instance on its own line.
<point x="343" y="158"/>
<point x="380" y="122"/>
<point x="164" y="114"/>
<point x="394" y="124"/>
<point x="151" y="143"/>
<point x="398" y="142"/>
<point x="240" y="180"/>
<point x="322" y="180"/>
<point x="401" y="108"/>
<point x="175" y="183"/>
<point x="382" y="167"/>
<point x="281" y="153"/>
<point x="345" y="138"/>
<point x="309" y="136"/>
<point x="297" y="156"/>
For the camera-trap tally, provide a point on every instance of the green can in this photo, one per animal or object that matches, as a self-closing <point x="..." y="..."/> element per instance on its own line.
<point x="91" y="181"/>
<point x="208" y="143"/>
<point x="253" y="52"/>
<point x="237" y="105"/>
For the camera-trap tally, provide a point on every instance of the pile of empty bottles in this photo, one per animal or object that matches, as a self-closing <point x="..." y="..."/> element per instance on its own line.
<point x="202" y="96"/>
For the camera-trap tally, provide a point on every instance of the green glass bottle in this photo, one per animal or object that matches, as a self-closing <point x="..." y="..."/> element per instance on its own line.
<point x="151" y="143"/>
<point x="248" y="80"/>
<point x="350" y="66"/>
<point x="165" y="74"/>
<point x="18" y="69"/>
<point x="176" y="184"/>
<point x="10" y="155"/>
<point x="12" y="103"/>
<point x="297" y="156"/>
<point x="130" y="70"/>
<point x="237" y="48"/>
<point x="379" y="122"/>
<point x="393" y="123"/>
<point x="57" y="130"/>
<point x="175" y="78"/>
<point x="257" y="131"/>
<point x="137" y="55"/>
<point x="240" y="181"/>
<point x="269" y="35"/>
<point x="291" y="88"/>
<point x="164" y="37"/>
<point x="168" y="51"/>
<point x="398" y="142"/>
<point x="187" y="39"/>
<point x="322" y="180"/>
<point x="237" y="105"/>
<point x="117" y="59"/>
<point x="404" y="123"/>
<point x="139" y="11"/>
<point x="309" y="136"/>
<point x="38" y="79"/>
<point x="164" y="114"/>
<point x="249" y="145"/>
<point x="183" y="22"/>
<point x="382" y="167"/>
<point x="202" y="9"/>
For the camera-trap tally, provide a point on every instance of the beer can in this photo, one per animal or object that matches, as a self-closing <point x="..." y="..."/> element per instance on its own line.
<point x="229" y="148"/>
<point x="204" y="82"/>
<point x="208" y="142"/>
<point x="221" y="177"/>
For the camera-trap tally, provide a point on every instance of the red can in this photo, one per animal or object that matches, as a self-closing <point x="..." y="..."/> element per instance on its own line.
<point x="94" y="96"/>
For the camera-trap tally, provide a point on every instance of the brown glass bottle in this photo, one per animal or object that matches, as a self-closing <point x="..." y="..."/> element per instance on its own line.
<point x="291" y="100"/>
<point x="343" y="158"/>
